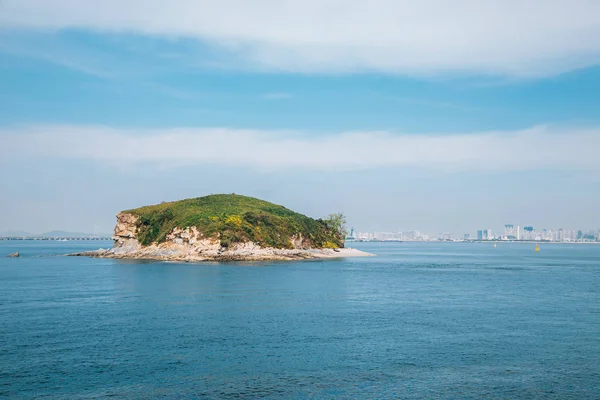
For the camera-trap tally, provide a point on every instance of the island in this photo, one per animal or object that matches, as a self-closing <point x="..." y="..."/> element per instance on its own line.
<point x="224" y="227"/>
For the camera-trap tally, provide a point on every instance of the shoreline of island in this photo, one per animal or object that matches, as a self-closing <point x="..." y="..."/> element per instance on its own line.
<point x="256" y="254"/>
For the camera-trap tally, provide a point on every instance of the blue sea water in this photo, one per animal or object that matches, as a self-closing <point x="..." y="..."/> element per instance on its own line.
<point x="420" y="320"/>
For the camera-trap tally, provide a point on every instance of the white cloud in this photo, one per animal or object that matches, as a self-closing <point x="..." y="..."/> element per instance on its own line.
<point x="509" y="37"/>
<point x="538" y="148"/>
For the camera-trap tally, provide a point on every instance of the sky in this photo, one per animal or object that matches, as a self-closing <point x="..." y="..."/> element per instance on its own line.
<point x="400" y="114"/>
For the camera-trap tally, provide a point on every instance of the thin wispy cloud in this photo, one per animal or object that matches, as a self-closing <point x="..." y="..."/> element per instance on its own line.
<point x="51" y="51"/>
<point x="537" y="148"/>
<point x="175" y="92"/>
<point x="277" y="96"/>
<point x="509" y="38"/>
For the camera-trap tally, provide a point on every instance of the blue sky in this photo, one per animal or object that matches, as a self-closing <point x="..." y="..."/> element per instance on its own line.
<point x="401" y="117"/>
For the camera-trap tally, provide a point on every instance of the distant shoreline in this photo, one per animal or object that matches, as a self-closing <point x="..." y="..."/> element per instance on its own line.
<point x="78" y="239"/>
<point x="55" y="239"/>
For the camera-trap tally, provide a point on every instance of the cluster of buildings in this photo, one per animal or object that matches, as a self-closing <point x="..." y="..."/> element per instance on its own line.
<point x="395" y="236"/>
<point x="530" y="233"/>
<point x="510" y="233"/>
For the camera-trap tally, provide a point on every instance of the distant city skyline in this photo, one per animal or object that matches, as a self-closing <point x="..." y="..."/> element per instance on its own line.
<point x="510" y="232"/>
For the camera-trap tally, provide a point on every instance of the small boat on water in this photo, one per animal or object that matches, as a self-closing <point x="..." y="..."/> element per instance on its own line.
<point x="494" y="244"/>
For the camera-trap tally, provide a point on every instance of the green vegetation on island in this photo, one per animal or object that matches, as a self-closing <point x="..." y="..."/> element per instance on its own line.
<point x="235" y="219"/>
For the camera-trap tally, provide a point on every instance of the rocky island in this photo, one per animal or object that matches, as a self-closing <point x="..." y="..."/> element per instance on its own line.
<point x="224" y="227"/>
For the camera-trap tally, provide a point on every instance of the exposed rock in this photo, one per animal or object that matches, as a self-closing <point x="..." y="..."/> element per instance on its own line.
<point x="299" y="242"/>
<point x="126" y="227"/>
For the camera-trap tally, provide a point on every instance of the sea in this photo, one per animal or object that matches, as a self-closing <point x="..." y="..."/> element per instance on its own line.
<point x="419" y="320"/>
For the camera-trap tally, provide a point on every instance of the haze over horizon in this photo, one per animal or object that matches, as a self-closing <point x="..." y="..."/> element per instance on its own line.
<point x="401" y="115"/>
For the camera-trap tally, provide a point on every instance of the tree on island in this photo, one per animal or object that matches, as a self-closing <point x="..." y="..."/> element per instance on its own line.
<point x="337" y="222"/>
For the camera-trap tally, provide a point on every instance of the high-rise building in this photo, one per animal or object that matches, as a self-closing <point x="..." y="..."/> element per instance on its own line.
<point x="351" y="235"/>
<point x="528" y="233"/>
<point x="509" y="231"/>
<point x="480" y="235"/>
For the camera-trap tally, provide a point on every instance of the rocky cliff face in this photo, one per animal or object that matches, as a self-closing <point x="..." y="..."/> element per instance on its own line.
<point x="182" y="243"/>
<point x="125" y="230"/>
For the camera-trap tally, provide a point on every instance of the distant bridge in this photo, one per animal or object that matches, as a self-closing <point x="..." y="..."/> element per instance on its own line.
<point x="58" y="239"/>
